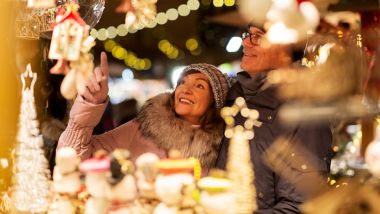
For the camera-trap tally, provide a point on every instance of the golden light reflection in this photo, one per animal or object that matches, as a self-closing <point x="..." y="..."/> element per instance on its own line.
<point x="8" y="92"/>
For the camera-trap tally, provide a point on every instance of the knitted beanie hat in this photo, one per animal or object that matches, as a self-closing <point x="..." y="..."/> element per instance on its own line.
<point x="217" y="79"/>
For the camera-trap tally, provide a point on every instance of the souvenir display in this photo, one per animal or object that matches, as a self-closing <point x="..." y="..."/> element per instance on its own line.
<point x="66" y="182"/>
<point x="96" y="170"/>
<point x="174" y="184"/>
<point x="216" y="194"/>
<point x="146" y="174"/>
<point x="123" y="191"/>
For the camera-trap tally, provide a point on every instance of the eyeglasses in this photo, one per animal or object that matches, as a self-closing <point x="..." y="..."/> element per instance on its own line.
<point x="254" y="38"/>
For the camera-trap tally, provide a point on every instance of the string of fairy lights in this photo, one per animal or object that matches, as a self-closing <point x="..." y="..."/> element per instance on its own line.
<point x="170" y="50"/>
<point x="137" y="63"/>
<point x="130" y="58"/>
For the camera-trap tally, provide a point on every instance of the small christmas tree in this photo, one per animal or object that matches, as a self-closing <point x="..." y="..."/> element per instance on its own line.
<point x="31" y="174"/>
<point x="239" y="165"/>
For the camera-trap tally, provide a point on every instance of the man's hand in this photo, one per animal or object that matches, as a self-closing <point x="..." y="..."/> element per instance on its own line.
<point x="97" y="86"/>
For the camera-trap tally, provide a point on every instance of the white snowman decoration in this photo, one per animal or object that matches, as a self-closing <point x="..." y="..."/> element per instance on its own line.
<point x="372" y="154"/>
<point x="146" y="174"/>
<point x="175" y="175"/>
<point x="66" y="181"/>
<point x="96" y="171"/>
<point x="122" y="181"/>
<point x="216" y="194"/>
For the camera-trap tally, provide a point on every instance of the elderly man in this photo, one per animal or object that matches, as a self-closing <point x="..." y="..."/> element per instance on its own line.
<point x="276" y="193"/>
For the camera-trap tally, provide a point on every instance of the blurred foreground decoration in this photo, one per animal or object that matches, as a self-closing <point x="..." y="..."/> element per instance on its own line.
<point x="286" y="21"/>
<point x="31" y="175"/>
<point x="139" y="13"/>
<point x="348" y="198"/>
<point x="70" y="45"/>
<point x="335" y="84"/>
<point x="239" y="165"/>
<point x="31" y="23"/>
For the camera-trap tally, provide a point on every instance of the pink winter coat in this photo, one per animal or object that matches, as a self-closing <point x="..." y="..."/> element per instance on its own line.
<point x="156" y="129"/>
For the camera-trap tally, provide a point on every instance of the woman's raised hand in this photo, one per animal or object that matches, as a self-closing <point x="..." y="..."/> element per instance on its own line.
<point x="97" y="86"/>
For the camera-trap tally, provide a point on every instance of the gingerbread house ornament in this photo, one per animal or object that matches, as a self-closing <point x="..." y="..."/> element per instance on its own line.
<point x="68" y="33"/>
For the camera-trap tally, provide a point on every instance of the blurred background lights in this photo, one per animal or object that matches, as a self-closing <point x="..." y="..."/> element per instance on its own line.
<point x="193" y="4"/>
<point x="148" y="64"/>
<point x="217" y="3"/>
<point x="122" y="30"/>
<point x="102" y="34"/>
<point x="94" y="33"/>
<point x="172" y="14"/>
<point x="127" y="74"/>
<point x="152" y="24"/>
<point x="229" y="3"/>
<point x="234" y="44"/>
<point x="109" y="45"/>
<point x="191" y="44"/>
<point x="183" y="10"/>
<point x="161" y="18"/>
<point x="175" y="74"/>
<point x="112" y="32"/>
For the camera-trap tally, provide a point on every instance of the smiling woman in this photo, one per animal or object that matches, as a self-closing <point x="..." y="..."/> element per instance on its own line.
<point x="186" y="120"/>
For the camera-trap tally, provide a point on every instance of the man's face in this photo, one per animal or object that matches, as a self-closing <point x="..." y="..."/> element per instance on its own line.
<point x="259" y="54"/>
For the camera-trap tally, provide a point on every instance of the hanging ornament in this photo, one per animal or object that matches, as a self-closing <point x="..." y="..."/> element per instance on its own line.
<point x="41" y="3"/>
<point x="139" y="13"/>
<point x="290" y="22"/>
<point x="31" y="174"/>
<point x="239" y="165"/>
<point x="67" y="35"/>
<point x="70" y="45"/>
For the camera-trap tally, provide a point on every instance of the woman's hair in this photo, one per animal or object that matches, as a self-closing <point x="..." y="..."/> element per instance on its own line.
<point x="212" y="115"/>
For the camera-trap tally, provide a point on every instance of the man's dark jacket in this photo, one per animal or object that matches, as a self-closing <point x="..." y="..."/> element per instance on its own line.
<point x="275" y="194"/>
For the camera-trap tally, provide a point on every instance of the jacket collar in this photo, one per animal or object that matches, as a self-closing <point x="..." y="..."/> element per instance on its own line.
<point x="257" y="93"/>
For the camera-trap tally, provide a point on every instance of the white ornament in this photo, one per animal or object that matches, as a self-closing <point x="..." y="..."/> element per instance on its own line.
<point x="146" y="174"/>
<point x="290" y="22"/>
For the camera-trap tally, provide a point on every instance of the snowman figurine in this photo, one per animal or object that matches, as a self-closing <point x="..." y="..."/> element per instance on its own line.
<point x="216" y="195"/>
<point x="66" y="182"/>
<point x="123" y="186"/>
<point x="96" y="171"/>
<point x="146" y="174"/>
<point x="174" y="183"/>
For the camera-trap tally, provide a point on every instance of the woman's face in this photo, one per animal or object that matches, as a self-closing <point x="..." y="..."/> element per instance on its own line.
<point x="193" y="97"/>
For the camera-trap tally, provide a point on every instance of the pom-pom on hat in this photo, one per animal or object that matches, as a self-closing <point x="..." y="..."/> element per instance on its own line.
<point x="218" y="81"/>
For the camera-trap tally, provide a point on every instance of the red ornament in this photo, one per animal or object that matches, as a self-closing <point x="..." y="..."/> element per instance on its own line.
<point x="300" y="1"/>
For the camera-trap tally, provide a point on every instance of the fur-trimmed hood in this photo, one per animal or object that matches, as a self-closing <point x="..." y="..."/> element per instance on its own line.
<point x="159" y="122"/>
